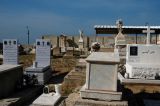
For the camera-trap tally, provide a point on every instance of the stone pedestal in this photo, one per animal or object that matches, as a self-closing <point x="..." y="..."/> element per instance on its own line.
<point x="10" y="79"/>
<point x="42" y="74"/>
<point x="101" y="77"/>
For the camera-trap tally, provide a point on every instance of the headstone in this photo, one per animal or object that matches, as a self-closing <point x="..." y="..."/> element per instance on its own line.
<point x="158" y="41"/>
<point x="81" y="42"/>
<point x="40" y="72"/>
<point x="10" y="51"/>
<point x="43" y="52"/>
<point x="101" y="76"/>
<point x="10" y="72"/>
<point x="63" y="43"/>
<point x="142" y="61"/>
<point x="120" y="40"/>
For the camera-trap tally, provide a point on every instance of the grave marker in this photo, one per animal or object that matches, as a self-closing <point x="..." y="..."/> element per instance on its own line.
<point x="10" y="51"/>
<point x="43" y="52"/>
<point x="101" y="76"/>
<point x="148" y="31"/>
<point x="142" y="61"/>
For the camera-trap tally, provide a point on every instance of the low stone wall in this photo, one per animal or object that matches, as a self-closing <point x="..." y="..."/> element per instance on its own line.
<point x="10" y="80"/>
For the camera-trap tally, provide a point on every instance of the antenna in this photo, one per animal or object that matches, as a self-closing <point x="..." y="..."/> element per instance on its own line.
<point x="28" y="32"/>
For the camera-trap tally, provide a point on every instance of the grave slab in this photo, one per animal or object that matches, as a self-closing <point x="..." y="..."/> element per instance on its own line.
<point x="43" y="74"/>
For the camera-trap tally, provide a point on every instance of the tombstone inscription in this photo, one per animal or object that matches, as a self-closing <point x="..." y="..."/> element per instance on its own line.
<point x="43" y="52"/>
<point x="142" y="61"/>
<point x="41" y="67"/>
<point x="10" y="51"/>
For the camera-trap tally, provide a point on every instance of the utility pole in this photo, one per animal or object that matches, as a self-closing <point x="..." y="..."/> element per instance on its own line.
<point x="28" y="34"/>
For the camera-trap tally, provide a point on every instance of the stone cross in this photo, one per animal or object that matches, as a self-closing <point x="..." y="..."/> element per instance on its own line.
<point x="148" y="31"/>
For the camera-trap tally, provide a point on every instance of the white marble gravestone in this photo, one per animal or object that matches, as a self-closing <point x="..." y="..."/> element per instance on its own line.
<point x="143" y="61"/>
<point x="10" y="51"/>
<point x="81" y="42"/>
<point x="10" y="71"/>
<point x="101" y="76"/>
<point x="43" y="52"/>
<point x="41" y="67"/>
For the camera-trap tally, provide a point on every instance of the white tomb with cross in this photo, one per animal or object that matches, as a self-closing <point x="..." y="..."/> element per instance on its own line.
<point x="143" y="61"/>
<point x="11" y="73"/>
<point x="41" y="67"/>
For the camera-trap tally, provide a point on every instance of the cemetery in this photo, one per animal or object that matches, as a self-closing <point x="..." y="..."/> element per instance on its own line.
<point x="88" y="74"/>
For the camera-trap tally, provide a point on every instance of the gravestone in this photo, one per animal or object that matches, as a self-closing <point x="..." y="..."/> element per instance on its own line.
<point x="142" y="61"/>
<point x="43" y="52"/>
<point x="10" y="51"/>
<point x="63" y="43"/>
<point x="81" y="42"/>
<point x="158" y="41"/>
<point x="40" y="72"/>
<point x="120" y="40"/>
<point x="10" y="72"/>
<point x="101" y="76"/>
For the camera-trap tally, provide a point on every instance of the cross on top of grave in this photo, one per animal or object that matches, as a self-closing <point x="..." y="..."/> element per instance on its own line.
<point x="10" y="51"/>
<point x="43" y="52"/>
<point x="148" y="31"/>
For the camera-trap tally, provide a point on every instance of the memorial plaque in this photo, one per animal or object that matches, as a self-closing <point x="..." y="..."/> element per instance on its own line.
<point x="143" y="61"/>
<point x="10" y="51"/>
<point x="133" y="51"/>
<point x="43" y="52"/>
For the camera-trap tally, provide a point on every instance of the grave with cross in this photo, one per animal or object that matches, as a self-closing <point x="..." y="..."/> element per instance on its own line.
<point x="11" y="72"/>
<point x="142" y="61"/>
<point x="41" y="66"/>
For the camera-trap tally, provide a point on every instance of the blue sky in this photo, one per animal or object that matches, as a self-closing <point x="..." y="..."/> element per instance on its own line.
<point x="68" y="16"/>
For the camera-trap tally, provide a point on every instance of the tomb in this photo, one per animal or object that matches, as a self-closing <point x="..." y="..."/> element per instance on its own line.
<point x="101" y="77"/>
<point x="10" y="72"/>
<point x="40" y="72"/>
<point x="142" y="67"/>
<point x="48" y="98"/>
<point x="142" y="61"/>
